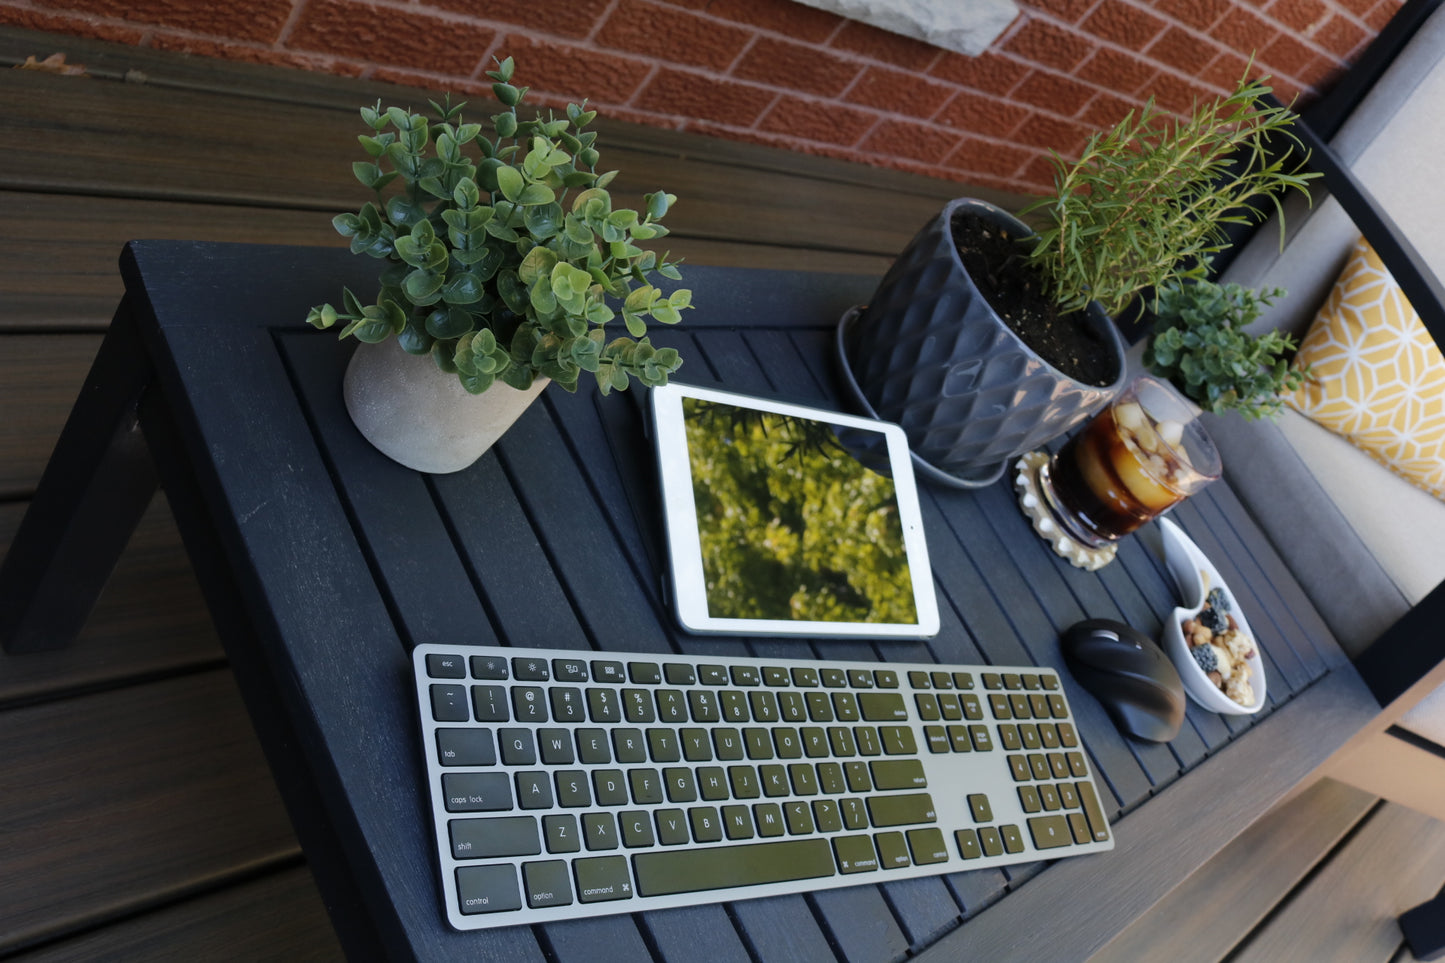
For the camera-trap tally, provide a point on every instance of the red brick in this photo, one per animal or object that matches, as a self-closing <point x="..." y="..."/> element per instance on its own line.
<point x="72" y="25"/>
<point x="392" y="37"/>
<point x="815" y="121"/>
<point x="1120" y="72"/>
<point x="1243" y="31"/>
<point x="260" y="22"/>
<point x="1199" y="14"/>
<point x="988" y="116"/>
<point x="1124" y="24"/>
<point x="1051" y="133"/>
<point x="898" y="92"/>
<point x="1054" y="93"/>
<point x="895" y="137"/>
<point x="1225" y="70"/>
<point x="1286" y="55"/>
<point x="794" y="20"/>
<point x="1341" y="36"/>
<point x="1301" y="16"/>
<point x="1184" y="51"/>
<point x="690" y="4"/>
<point x="988" y="72"/>
<point x="1106" y="110"/>
<point x="884" y="46"/>
<point x="684" y="38"/>
<point x="1038" y="176"/>
<point x="691" y="95"/>
<point x="1067" y="10"/>
<point x="989" y="157"/>
<point x="1049" y="45"/>
<point x="1358" y="7"/>
<point x="572" y="72"/>
<point x="1381" y="14"/>
<point x="575" y="19"/>
<point x="1179" y="96"/>
<point x="796" y="66"/>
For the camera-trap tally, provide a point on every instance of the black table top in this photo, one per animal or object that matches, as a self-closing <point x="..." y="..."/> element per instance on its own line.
<point x="330" y="562"/>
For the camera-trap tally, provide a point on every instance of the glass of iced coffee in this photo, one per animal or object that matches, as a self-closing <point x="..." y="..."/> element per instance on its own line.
<point x="1139" y="456"/>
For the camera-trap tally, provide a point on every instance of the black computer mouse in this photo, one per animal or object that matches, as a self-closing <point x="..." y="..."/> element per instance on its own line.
<point x="1133" y="678"/>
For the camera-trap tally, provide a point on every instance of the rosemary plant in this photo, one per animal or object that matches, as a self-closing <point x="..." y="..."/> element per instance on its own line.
<point x="1147" y="202"/>
<point x="505" y="258"/>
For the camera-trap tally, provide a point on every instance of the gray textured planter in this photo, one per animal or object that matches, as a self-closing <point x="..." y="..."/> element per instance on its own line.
<point x="930" y="354"/>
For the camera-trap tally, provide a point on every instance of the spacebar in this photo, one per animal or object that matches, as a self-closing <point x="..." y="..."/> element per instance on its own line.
<point x="718" y="867"/>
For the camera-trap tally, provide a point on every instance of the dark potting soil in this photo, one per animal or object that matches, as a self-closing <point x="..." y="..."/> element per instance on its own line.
<point x="997" y="265"/>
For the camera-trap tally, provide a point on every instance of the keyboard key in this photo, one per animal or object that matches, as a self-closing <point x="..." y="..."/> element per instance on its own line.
<point x="919" y="680"/>
<point x="567" y="705"/>
<point x="449" y="703"/>
<point x="671" y="827"/>
<point x="820" y="707"/>
<point x="764" y="705"/>
<point x="906" y="810"/>
<point x="776" y="676"/>
<point x="609" y="787"/>
<point x="572" y="791"/>
<point x="1098" y="826"/>
<point x="1013" y="841"/>
<point x="529" y="704"/>
<point x="720" y="867"/>
<point x="833" y="678"/>
<point x="885" y="678"/>
<point x="826" y="816"/>
<point x="671" y="706"/>
<point x="737" y="822"/>
<point x="679" y="674"/>
<point x="845" y="707"/>
<point x="768" y="817"/>
<point x="592" y="746"/>
<point x="488" y="889"/>
<point x="735" y="706"/>
<point x="493" y="836"/>
<point x="517" y="747"/>
<point x="882" y="707"/>
<point x="855" y="854"/>
<point x="489" y="703"/>
<point x="636" y="827"/>
<point x="759" y="743"/>
<point x="712" y="675"/>
<point x="855" y="814"/>
<point x="599" y="831"/>
<point x="897" y="740"/>
<point x="602" y="705"/>
<point x="608" y="671"/>
<point x="792" y="707"/>
<point x="979" y="807"/>
<point x="705" y="823"/>
<point x="990" y="841"/>
<point x="569" y="670"/>
<point x="805" y="678"/>
<point x="637" y="705"/>
<point x="530" y="670"/>
<point x="547" y="883"/>
<point x="534" y="790"/>
<point x="712" y="783"/>
<point x="860" y="678"/>
<point x="967" y="841"/>
<point x="561" y="834"/>
<point x="745" y="675"/>
<point x="628" y="745"/>
<point x="927" y="846"/>
<point x="602" y="878"/>
<point x="465" y="747"/>
<point x="644" y="673"/>
<point x="799" y="818"/>
<point x="472" y="792"/>
<point x="830" y="778"/>
<point x="446" y="665"/>
<point x="892" y="850"/>
<point x="728" y="744"/>
<point x="489" y="667"/>
<point x="703" y="705"/>
<point x="680" y="785"/>
<point x="1050" y="832"/>
<point x="645" y="785"/>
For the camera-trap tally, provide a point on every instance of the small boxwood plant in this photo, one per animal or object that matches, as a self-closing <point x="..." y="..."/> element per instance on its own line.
<point x="506" y="257"/>
<point x="1200" y="345"/>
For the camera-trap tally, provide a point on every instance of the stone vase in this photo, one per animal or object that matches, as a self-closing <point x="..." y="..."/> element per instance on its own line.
<point x="929" y="353"/>
<point x="420" y="416"/>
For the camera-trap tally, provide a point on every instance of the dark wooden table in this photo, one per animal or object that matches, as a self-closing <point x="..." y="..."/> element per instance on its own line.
<point x="323" y="563"/>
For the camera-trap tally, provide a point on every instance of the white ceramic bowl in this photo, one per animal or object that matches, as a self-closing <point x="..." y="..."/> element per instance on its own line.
<point x="1195" y="575"/>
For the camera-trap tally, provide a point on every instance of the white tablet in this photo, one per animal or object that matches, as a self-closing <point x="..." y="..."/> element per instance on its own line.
<point x="786" y="520"/>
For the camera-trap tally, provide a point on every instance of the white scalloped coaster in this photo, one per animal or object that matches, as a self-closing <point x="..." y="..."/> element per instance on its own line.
<point x="1031" y="501"/>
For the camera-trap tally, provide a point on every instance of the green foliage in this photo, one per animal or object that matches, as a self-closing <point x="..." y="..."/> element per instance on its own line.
<point x="1148" y="201"/>
<point x="506" y="257"/>
<point x="777" y="508"/>
<point x="1199" y="344"/>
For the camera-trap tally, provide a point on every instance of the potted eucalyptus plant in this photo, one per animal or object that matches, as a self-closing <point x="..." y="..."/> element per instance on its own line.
<point x="1200" y="344"/>
<point x="986" y="339"/>
<point x="505" y="262"/>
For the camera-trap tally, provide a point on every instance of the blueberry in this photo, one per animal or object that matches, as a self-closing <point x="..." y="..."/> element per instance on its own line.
<point x="1204" y="655"/>
<point x="1216" y="600"/>
<point x="1214" y="620"/>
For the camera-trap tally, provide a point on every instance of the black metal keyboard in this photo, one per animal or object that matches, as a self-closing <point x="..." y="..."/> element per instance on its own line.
<point x="566" y="785"/>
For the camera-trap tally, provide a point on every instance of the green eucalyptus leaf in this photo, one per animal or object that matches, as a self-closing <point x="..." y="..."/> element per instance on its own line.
<point x="414" y="339"/>
<point x="537" y="264"/>
<point x="510" y="182"/>
<point x="403" y="212"/>
<point x="423" y="287"/>
<point x="464" y="288"/>
<point x="533" y="195"/>
<point x="544" y="220"/>
<point x="446" y="323"/>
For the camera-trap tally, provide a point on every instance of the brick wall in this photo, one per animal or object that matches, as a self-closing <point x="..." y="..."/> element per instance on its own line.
<point x="780" y="73"/>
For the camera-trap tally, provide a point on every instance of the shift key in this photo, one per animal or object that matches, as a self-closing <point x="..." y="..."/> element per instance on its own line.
<point x="906" y="810"/>
<point x="496" y="836"/>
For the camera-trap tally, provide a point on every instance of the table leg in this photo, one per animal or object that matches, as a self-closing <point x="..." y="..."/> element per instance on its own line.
<point x="1424" y="929"/>
<point x="94" y="490"/>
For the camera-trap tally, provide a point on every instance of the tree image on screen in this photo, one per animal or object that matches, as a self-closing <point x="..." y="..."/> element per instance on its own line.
<point x="792" y="526"/>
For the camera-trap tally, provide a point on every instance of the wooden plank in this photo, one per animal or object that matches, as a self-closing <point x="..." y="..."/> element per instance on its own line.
<point x="113" y="61"/>
<point x="1205" y="917"/>
<point x="151" y="620"/>
<point x="1399" y="770"/>
<point x="277" y="914"/>
<point x="170" y="770"/>
<point x="66" y="277"/>
<point x="1161" y="843"/>
<point x="40" y="376"/>
<point x="129" y="140"/>
<point x="1348" y="910"/>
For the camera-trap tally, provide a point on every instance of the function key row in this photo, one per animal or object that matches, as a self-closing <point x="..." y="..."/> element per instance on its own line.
<point x="497" y="667"/>
<point x="1020" y="680"/>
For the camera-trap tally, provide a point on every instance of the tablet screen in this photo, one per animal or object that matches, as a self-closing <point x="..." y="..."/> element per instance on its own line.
<point x="791" y="520"/>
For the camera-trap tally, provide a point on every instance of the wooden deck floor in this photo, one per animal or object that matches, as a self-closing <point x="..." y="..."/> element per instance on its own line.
<point x="137" y="817"/>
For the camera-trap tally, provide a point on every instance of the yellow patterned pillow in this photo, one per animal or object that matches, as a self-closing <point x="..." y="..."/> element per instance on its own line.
<point x="1378" y="378"/>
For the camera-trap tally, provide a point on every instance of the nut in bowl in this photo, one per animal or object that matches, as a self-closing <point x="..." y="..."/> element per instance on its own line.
<point x="1208" y="638"/>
